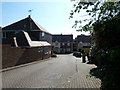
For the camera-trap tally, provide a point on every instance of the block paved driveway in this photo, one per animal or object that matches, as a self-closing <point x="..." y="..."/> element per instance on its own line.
<point x="65" y="71"/>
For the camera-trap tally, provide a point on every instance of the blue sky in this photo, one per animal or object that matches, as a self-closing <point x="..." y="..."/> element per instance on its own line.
<point x="53" y="16"/>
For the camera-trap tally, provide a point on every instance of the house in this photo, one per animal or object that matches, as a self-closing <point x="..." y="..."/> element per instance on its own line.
<point x="62" y="43"/>
<point x="35" y="31"/>
<point x="83" y="41"/>
<point x="23" y="42"/>
<point x="75" y="44"/>
<point x="0" y="33"/>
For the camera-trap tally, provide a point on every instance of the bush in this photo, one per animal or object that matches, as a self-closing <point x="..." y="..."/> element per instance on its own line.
<point x="106" y="54"/>
<point x="53" y="55"/>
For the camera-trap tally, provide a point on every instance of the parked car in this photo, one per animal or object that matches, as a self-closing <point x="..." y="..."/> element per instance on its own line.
<point x="77" y="54"/>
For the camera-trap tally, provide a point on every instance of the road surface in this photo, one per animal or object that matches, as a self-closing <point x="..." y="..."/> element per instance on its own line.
<point x="65" y="71"/>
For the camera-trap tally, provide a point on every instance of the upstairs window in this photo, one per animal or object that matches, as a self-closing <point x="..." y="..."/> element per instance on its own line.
<point x="4" y="35"/>
<point x="56" y="43"/>
<point x="68" y="44"/>
<point x="43" y="35"/>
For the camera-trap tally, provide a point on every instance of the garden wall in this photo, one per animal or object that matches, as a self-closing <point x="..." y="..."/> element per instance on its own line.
<point x="13" y="56"/>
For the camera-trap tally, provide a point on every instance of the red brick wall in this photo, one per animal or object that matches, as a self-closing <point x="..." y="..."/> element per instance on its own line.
<point x="12" y="56"/>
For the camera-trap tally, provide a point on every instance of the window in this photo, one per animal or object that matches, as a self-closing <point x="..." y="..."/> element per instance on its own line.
<point x="40" y="49"/>
<point x="16" y="32"/>
<point x="46" y="51"/>
<point x="43" y="34"/>
<point x="68" y="49"/>
<point x="56" y="43"/>
<point x="4" y="34"/>
<point x="68" y="44"/>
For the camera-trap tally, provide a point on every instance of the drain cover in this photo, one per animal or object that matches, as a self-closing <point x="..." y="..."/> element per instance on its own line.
<point x="54" y="76"/>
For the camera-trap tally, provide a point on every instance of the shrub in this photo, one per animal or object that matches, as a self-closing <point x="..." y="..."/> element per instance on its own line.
<point x="53" y="55"/>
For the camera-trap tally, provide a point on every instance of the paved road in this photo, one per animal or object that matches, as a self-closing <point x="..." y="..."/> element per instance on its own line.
<point x="65" y="71"/>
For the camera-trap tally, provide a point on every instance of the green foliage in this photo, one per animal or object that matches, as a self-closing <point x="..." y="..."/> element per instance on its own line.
<point x="98" y="72"/>
<point x="89" y="75"/>
<point x="111" y="79"/>
<point x="98" y="11"/>
<point x="103" y="57"/>
<point x="104" y="22"/>
<point x="107" y="33"/>
<point x="53" y="55"/>
<point x="108" y="62"/>
<point x="108" y="75"/>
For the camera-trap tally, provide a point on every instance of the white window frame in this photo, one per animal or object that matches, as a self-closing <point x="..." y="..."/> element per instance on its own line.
<point x="68" y="44"/>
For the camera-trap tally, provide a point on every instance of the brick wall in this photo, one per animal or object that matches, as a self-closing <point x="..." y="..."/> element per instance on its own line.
<point x="13" y="56"/>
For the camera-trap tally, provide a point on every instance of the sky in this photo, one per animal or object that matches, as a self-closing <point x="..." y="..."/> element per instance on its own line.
<point x="52" y="15"/>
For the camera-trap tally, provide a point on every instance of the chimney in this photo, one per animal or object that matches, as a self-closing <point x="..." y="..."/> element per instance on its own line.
<point x="28" y="16"/>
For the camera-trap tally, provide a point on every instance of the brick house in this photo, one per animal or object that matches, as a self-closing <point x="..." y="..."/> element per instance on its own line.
<point x="23" y="42"/>
<point x="62" y="43"/>
<point x="83" y="41"/>
<point x="35" y="31"/>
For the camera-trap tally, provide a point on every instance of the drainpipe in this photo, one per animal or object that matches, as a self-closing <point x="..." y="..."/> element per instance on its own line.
<point x="42" y="53"/>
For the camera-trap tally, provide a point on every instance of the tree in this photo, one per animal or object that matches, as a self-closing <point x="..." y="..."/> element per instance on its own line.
<point x="104" y="23"/>
<point x="99" y="10"/>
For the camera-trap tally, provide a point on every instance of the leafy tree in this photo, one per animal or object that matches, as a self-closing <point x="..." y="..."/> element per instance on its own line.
<point x="99" y="10"/>
<point x="104" y="23"/>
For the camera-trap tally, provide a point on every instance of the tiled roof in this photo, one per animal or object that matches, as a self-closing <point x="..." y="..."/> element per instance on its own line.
<point x="84" y="39"/>
<point x="27" y="24"/>
<point x="22" y="39"/>
<point x="41" y="28"/>
<point x="62" y="38"/>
